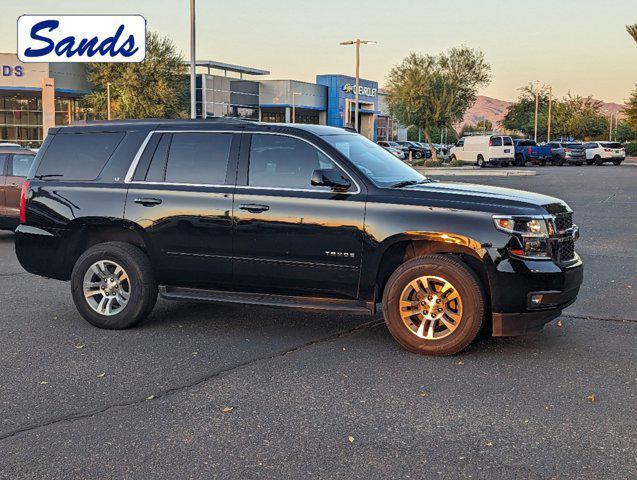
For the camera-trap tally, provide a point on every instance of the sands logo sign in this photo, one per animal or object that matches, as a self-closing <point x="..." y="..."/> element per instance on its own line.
<point x="81" y="38"/>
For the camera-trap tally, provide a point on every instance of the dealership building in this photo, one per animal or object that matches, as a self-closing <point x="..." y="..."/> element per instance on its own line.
<point x="36" y="96"/>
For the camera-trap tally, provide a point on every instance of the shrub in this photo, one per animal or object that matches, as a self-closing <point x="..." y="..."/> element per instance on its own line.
<point x="457" y="163"/>
<point x="631" y="149"/>
<point x="433" y="163"/>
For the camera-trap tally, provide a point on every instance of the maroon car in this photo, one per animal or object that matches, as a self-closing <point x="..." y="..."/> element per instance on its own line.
<point x="15" y="163"/>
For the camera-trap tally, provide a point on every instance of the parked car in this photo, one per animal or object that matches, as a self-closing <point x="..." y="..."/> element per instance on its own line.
<point x="601" y="152"/>
<point x="484" y="150"/>
<point x="530" y="151"/>
<point x="304" y="216"/>
<point x="395" y="149"/>
<point x="569" y="152"/>
<point x="417" y="150"/>
<point x="15" y="163"/>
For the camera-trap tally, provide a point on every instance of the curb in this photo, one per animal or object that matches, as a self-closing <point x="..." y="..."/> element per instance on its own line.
<point x="473" y="172"/>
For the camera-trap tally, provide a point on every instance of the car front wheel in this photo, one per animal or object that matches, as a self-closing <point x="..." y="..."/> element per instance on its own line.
<point x="113" y="285"/>
<point x="434" y="305"/>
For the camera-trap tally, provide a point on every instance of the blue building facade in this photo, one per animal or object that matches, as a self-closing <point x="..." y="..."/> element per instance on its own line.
<point x="341" y="98"/>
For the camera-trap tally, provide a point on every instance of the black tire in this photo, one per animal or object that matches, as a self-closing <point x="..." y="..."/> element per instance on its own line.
<point x="617" y="162"/>
<point x="541" y="163"/>
<point x="143" y="289"/>
<point x="468" y="287"/>
<point x="579" y="164"/>
<point x="589" y="162"/>
<point x="452" y="158"/>
<point x="557" y="161"/>
<point x="480" y="161"/>
<point x="597" y="160"/>
<point x="519" y="160"/>
<point x="417" y="154"/>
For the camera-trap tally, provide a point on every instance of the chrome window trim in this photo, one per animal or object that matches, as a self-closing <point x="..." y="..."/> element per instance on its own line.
<point x="133" y="166"/>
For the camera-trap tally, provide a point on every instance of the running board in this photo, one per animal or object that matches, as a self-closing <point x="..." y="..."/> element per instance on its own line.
<point x="268" y="300"/>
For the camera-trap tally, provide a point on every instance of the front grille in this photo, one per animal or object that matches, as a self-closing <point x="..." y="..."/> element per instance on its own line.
<point x="566" y="250"/>
<point x="563" y="222"/>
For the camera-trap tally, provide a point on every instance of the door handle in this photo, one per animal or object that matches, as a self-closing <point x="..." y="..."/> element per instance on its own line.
<point x="148" y="202"/>
<point x="254" y="207"/>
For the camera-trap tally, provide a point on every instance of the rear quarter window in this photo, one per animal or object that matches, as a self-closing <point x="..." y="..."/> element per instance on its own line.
<point x="78" y="156"/>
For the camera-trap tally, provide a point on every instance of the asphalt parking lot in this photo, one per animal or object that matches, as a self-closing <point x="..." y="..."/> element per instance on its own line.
<point x="218" y="391"/>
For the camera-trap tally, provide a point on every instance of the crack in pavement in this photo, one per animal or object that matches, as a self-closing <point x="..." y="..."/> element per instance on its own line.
<point x="173" y="390"/>
<point x="599" y="319"/>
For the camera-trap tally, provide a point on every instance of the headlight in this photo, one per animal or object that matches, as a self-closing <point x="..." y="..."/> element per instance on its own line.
<point x="531" y="234"/>
<point x="523" y="225"/>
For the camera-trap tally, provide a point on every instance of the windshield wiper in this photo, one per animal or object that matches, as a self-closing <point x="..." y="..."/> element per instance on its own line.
<point x="40" y="177"/>
<point x="406" y="183"/>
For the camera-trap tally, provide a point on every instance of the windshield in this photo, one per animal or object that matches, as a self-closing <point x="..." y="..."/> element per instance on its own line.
<point x="373" y="161"/>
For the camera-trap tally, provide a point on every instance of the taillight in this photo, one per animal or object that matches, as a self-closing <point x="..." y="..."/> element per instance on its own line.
<point x="567" y="149"/>
<point x="607" y="150"/>
<point x="23" y="202"/>
<point x="490" y="142"/>
<point x="530" y="150"/>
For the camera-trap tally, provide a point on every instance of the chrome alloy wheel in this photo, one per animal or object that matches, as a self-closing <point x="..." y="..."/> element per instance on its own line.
<point x="430" y="307"/>
<point x="106" y="287"/>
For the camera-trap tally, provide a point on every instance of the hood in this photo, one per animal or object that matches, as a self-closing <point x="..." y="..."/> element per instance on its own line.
<point x="488" y="198"/>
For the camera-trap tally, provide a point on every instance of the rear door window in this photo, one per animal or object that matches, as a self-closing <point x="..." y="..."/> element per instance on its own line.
<point x="20" y="165"/>
<point x="199" y="158"/>
<point x="78" y="156"/>
<point x="507" y="141"/>
<point x="496" y="141"/>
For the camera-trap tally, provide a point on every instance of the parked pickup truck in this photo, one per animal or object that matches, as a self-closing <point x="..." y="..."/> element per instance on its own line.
<point x="529" y="151"/>
<point x="304" y="216"/>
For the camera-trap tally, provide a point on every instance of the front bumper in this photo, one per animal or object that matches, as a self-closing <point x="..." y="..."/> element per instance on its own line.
<point x="514" y="283"/>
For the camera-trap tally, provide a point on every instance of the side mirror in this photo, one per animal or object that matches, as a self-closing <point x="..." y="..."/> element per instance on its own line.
<point x="330" y="177"/>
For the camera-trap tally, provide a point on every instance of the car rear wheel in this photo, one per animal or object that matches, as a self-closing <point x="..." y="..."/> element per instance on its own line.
<point x="481" y="162"/>
<point x="519" y="160"/>
<point x="557" y="161"/>
<point x="598" y="160"/>
<point x="617" y="162"/>
<point x="452" y="158"/>
<point x="434" y="305"/>
<point x="113" y="285"/>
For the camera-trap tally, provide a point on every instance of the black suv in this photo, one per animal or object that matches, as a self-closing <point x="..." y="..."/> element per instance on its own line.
<point x="302" y="216"/>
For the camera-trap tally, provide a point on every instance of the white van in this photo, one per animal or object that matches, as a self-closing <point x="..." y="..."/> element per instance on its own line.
<point x="485" y="149"/>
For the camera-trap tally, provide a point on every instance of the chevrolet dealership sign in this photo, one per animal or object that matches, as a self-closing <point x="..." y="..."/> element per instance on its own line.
<point x="362" y="90"/>
<point x="81" y="38"/>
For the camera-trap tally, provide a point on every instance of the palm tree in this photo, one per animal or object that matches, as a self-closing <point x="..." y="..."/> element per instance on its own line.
<point x="632" y="31"/>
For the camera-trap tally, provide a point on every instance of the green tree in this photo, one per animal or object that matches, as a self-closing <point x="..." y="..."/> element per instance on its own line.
<point x="432" y="92"/>
<point x="521" y="114"/>
<point x="154" y="88"/>
<point x="631" y="110"/>
<point x="624" y="132"/>
<point x="578" y="117"/>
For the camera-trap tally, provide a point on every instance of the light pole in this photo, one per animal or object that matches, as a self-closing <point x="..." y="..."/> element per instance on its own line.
<point x="548" y="122"/>
<point x="108" y="100"/>
<point x="294" y="94"/>
<point x="193" y="104"/>
<point x="358" y="43"/>
<point x="610" y="129"/>
<point x="537" y="94"/>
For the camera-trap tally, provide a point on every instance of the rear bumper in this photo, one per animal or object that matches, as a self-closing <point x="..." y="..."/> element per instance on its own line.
<point x="41" y="252"/>
<point x="501" y="160"/>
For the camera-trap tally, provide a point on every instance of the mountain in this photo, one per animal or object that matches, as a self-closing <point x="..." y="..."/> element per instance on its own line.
<point x="494" y="110"/>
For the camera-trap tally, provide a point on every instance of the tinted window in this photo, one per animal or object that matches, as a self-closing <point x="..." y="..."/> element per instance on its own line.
<point x="21" y="164"/>
<point x="611" y="145"/>
<point x="590" y="145"/>
<point x="460" y="143"/>
<point x="79" y="156"/>
<point x="157" y="168"/>
<point x="578" y="145"/>
<point x="198" y="158"/>
<point x="496" y="141"/>
<point x="507" y="141"/>
<point x="2" y="159"/>
<point x="284" y="162"/>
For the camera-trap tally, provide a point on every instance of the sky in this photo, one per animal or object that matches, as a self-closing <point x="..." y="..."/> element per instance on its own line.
<point x="578" y="46"/>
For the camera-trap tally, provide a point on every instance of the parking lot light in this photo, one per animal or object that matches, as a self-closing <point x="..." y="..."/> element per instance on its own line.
<point x="358" y="43"/>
